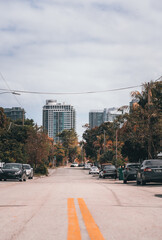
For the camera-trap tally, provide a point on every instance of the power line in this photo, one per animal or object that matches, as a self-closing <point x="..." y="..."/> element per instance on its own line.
<point x="77" y="93"/>
<point x="9" y="89"/>
<point x="12" y="92"/>
<point x="73" y="93"/>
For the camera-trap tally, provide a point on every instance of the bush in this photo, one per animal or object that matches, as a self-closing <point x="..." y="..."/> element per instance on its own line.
<point x="42" y="169"/>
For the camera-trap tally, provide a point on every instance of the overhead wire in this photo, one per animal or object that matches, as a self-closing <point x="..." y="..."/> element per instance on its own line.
<point x="76" y="93"/>
<point x="10" y="90"/>
<point x="73" y="93"/>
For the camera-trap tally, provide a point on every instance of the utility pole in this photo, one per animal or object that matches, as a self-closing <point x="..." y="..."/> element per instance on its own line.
<point x="149" y="127"/>
<point x="104" y="141"/>
<point x="116" y="145"/>
<point x="23" y="117"/>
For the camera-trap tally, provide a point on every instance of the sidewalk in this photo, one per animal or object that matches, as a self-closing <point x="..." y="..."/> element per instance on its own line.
<point x="51" y="171"/>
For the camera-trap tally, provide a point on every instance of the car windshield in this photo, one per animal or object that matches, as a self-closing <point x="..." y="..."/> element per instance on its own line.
<point x="133" y="166"/>
<point x="154" y="163"/>
<point x="109" y="167"/>
<point x="12" y="166"/>
<point x="26" y="166"/>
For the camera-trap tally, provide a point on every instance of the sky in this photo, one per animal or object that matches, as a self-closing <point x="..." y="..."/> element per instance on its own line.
<point x="69" y="46"/>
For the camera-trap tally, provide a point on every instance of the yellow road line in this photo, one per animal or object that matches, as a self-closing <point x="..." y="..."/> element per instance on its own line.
<point x="92" y="228"/>
<point x="73" y="224"/>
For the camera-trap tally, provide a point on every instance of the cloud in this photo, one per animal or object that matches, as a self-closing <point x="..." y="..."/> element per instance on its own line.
<point x="78" y="46"/>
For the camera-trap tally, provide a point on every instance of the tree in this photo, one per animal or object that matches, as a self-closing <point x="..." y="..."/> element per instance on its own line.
<point x="141" y="131"/>
<point x="4" y="121"/>
<point x="59" y="153"/>
<point x="99" y="140"/>
<point x="37" y="146"/>
<point x="69" y="141"/>
<point x="12" y="140"/>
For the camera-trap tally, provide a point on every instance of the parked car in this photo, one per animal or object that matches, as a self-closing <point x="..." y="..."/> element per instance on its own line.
<point x="130" y="172"/>
<point x="13" y="171"/>
<point x="87" y="165"/>
<point x="94" y="170"/>
<point x="150" y="171"/>
<point x="108" y="171"/>
<point x="74" y="165"/>
<point x="1" y="164"/>
<point x="81" y="165"/>
<point x="29" y="170"/>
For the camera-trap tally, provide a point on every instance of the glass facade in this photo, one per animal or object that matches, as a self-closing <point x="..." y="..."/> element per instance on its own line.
<point x="15" y="113"/>
<point x="57" y="117"/>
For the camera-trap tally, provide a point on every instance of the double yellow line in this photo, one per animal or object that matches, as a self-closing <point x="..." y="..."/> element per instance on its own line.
<point x="73" y="223"/>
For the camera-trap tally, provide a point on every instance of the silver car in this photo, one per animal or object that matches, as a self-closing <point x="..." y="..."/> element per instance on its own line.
<point x="94" y="170"/>
<point x="29" y="171"/>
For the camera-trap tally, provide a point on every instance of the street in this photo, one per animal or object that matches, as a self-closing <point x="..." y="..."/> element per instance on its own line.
<point x="71" y="204"/>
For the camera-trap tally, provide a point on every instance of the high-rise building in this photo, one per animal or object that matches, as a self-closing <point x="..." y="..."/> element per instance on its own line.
<point x="57" y="117"/>
<point x="15" y="113"/>
<point x="97" y="117"/>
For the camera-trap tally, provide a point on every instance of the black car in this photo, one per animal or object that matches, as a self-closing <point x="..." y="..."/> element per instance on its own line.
<point x="150" y="171"/>
<point x="108" y="171"/>
<point x="13" y="171"/>
<point x="130" y="172"/>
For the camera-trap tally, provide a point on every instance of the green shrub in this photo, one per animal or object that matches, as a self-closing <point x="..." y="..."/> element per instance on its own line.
<point x="42" y="169"/>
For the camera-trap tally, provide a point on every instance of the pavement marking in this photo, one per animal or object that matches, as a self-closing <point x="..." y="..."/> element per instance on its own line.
<point x="73" y="223"/>
<point x="91" y="226"/>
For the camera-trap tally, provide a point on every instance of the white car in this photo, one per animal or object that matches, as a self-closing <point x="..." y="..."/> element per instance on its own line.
<point x="87" y="166"/>
<point x="29" y="171"/>
<point x="94" y="170"/>
<point x="74" y="165"/>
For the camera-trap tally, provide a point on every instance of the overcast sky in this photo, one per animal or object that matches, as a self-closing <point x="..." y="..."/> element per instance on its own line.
<point x="78" y="46"/>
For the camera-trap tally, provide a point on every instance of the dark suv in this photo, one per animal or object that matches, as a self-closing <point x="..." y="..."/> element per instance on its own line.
<point x="13" y="171"/>
<point x="130" y="172"/>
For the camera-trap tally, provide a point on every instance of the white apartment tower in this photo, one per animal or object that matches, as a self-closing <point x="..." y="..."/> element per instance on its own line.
<point x="57" y="117"/>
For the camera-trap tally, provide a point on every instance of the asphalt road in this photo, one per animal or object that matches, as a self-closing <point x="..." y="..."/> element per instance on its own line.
<point x="71" y="204"/>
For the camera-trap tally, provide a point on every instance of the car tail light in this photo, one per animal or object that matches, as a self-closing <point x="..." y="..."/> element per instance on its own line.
<point x="104" y="171"/>
<point x="127" y="169"/>
<point x="147" y="170"/>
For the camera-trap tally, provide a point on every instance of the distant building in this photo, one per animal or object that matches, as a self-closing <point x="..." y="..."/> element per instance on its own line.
<point x="112" y="114"/>
<point x="58" y="117"/>
<point x="15" y="113"/>
<point x="97" y="117"/>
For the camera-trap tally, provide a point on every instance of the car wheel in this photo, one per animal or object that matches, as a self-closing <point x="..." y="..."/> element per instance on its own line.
<point x="103" y="176"/>
<point x="143" y="182"/>
<point x="21" y="179"/>
<point x="125" y="181"/>
<point x="5" y="179"/>
<point x="0" y="179"/>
